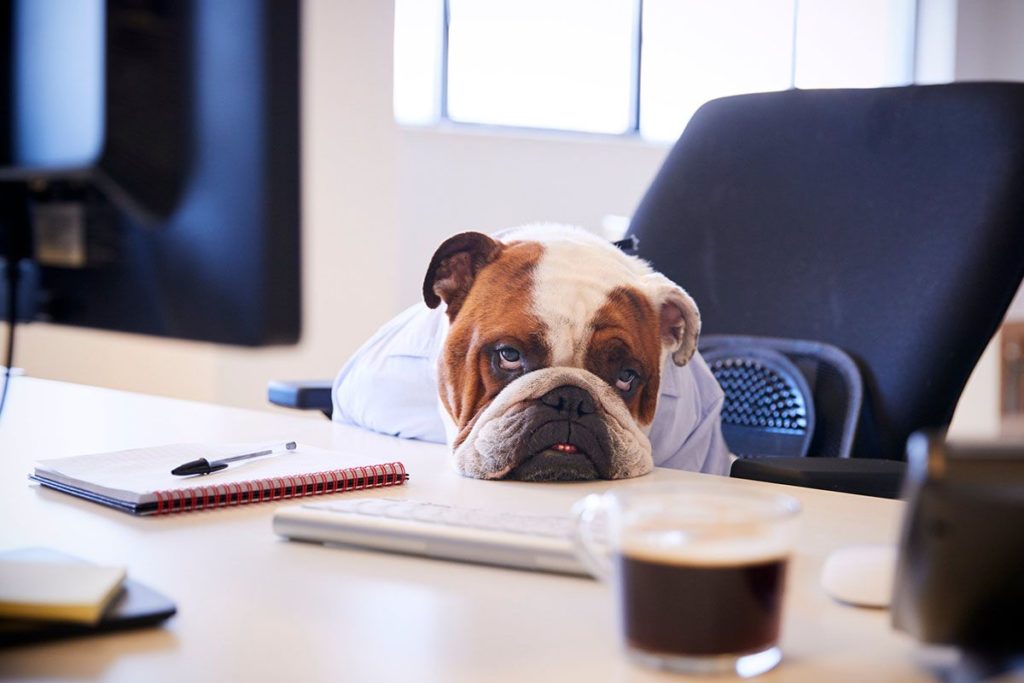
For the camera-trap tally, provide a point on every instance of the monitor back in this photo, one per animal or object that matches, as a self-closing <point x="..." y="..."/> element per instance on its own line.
<point x="176" y="209"/>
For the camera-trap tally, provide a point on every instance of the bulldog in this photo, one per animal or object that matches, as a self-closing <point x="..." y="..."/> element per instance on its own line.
<point x="553" y="353"/>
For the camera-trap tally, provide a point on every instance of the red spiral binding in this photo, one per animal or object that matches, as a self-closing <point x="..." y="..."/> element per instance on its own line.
<point x="277" y="488"/>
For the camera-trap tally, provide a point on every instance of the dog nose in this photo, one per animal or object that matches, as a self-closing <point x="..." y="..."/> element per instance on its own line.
<point x="569" y="401"/>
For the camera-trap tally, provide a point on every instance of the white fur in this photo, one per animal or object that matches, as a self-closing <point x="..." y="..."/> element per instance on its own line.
<point x="488" y="451"/>
<point x="573" y="278"/>
<point x="572" y="281"/>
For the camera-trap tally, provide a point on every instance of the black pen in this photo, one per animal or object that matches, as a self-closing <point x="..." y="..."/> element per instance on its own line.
<point x="204" y="466"/>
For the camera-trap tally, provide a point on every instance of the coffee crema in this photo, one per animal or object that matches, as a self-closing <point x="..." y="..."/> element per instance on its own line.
<point x="684" y="608"/>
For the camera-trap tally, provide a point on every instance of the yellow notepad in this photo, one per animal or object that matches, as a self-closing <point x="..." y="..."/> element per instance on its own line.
<point x="56" y="591"/>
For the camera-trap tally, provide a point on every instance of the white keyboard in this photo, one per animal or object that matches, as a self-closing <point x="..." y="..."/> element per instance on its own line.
<point x="525" y="541"/>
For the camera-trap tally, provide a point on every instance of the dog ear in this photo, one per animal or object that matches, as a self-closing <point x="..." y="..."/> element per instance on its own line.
<point x="453" y="268"/>
<point x="679" y="318"/>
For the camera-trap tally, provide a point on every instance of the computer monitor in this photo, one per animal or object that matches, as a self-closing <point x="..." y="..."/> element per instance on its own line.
<point x="149" y="166"/>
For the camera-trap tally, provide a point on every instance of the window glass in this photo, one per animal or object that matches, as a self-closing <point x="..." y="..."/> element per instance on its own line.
<point x="695" y="51"/>
<point x="419" y="32"/>
<point x="565" y="64"/>
<point x="854" y="43"/>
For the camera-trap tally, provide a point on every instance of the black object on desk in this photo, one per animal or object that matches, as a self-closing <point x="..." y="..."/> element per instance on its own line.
<point x="961" y="559"/>
<point x="864" y="476"/>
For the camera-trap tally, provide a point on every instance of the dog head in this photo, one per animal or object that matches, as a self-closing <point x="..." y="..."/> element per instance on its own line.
<point x="552" y="362"/>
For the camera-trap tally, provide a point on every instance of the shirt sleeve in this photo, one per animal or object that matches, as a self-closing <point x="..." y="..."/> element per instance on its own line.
<point x="390" y="384"/>
<point x="687" y="429"/>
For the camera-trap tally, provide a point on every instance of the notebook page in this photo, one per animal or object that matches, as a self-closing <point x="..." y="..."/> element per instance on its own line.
<point x="133" y="475"/>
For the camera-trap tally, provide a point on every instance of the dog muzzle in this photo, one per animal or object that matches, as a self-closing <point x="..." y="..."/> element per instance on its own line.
<point x="555" y="424"/>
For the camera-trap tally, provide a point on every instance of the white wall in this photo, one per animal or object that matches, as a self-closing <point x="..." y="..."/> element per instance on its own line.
<point x="453" y="179"/>
<point x="1016" y="311"/>
<point x="121" y="361"/>
<point x="989" y="42"/>
<point x="351" y="250"/>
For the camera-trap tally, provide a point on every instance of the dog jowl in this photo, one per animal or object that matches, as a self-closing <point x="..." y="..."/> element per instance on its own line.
<point x="551" y="365"/>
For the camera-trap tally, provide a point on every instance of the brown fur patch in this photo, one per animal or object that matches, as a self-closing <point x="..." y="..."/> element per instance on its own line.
<point x="497" y="310"/>
<point x="453" y="268"/>
<point x="626" y="336"/>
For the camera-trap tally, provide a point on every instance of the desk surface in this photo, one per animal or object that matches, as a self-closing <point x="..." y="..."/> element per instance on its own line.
<point x="251" y="604"/>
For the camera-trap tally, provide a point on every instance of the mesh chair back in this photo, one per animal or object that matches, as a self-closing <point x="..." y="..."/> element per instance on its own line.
<point x="785" y="397"/>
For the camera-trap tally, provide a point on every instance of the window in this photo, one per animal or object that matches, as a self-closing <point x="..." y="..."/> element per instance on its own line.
<point x="695" y="51"/>
<point x="542" y="64"/>
<point x="863" y="44"/>
<point x="633" y="66"/>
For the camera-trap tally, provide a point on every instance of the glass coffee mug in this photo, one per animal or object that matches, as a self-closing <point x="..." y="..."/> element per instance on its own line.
<point x="698" y="570"/>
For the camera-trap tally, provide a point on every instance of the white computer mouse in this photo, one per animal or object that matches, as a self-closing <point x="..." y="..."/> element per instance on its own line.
<point x="860" y="575"/>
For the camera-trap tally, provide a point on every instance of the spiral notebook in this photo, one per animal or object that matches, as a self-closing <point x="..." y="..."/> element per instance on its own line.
<point x="139" y="481"/>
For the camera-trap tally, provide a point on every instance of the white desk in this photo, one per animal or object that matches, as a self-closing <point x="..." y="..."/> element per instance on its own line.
<point x="253" y="605"/>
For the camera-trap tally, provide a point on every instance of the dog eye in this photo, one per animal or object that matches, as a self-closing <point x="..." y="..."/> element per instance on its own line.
<point x="510" y="359"/>
<point x="625" y="380"/>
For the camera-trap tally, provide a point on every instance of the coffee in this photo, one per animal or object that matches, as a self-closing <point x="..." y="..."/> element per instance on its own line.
<point x="698" y="571"/>
<point x="679" y="607"/>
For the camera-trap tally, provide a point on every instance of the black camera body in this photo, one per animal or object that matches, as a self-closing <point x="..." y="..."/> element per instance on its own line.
<point x="960" y="573"/>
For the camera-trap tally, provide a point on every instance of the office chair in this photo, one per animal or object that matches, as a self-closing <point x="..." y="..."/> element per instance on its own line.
<point x="887" y="222"/>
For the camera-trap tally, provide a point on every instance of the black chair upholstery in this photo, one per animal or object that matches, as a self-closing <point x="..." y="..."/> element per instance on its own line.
<point x="784" y="397"/>
<point x="887" y="222"/>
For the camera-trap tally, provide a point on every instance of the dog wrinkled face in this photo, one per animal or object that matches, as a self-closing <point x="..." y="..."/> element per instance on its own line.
<point x="552" y="363"/>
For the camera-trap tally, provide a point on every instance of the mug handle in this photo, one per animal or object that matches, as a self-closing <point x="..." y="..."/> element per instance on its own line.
<point x="591" y="553"/>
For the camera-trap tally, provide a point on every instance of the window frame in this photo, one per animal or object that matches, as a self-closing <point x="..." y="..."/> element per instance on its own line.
<point x="633" y="131"/>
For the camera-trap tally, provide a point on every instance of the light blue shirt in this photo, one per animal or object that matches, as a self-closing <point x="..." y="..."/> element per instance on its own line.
<point x="390" y="386"/>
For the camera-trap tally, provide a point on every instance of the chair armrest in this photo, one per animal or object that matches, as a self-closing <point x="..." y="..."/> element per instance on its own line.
<point x="869" y="477"/>
<point x="303" y="394"/>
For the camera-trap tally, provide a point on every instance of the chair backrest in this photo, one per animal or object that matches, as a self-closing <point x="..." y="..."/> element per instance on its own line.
<point x="785" y="397"/>
<point x="888" y="222"/>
